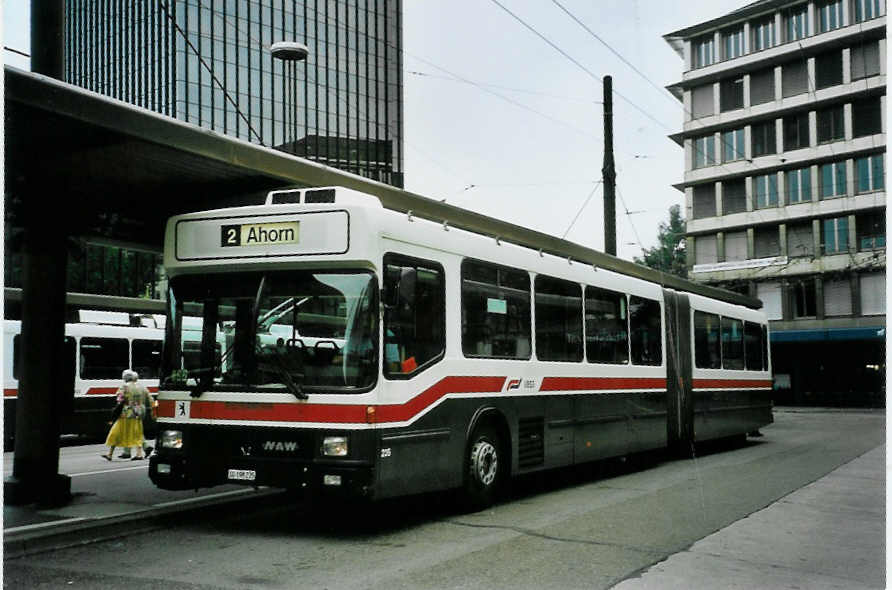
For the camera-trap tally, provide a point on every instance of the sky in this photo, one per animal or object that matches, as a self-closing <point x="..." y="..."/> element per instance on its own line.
<point x="499" y="121"/>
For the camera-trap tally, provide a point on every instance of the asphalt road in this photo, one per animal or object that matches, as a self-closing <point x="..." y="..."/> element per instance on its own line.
<point x="581" y="528"/>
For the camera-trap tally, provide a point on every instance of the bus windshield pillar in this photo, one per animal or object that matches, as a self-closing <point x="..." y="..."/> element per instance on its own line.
<point x="35" y="476"/>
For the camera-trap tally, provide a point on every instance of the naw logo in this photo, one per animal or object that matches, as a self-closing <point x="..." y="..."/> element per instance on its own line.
<point x="287" y="446"/>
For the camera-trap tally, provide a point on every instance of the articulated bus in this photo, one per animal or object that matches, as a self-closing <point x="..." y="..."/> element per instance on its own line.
<point x="352" y="349"/>
<point x="101" y="345"/>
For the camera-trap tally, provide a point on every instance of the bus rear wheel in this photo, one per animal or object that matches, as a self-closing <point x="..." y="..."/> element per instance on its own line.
<point x="485" y="469"/>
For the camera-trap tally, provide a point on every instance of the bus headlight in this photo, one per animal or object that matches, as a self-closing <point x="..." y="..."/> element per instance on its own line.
<point x="172" y="439"/>
<point x="334" y="446"/>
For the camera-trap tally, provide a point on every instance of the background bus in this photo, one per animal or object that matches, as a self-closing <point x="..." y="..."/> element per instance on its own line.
<point x="101" y="346"/>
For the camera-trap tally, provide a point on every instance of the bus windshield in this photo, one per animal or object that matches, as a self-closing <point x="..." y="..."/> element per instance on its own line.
<point x="292" y="331"/>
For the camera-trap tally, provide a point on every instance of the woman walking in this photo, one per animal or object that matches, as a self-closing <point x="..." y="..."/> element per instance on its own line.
<point x="135" y="401"/>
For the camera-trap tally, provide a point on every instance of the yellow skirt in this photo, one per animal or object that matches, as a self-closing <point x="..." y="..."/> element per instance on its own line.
<point x="126" y="432"/>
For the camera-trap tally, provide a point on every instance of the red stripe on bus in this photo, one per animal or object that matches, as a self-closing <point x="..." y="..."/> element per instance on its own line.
<point x="731" y="383"/>
<point x="102" y="390"/>
<point x="10" y="392"/>
<point x="408" y="410"/>
<point x="334" y="413"/>
<point x="601" y="383"/>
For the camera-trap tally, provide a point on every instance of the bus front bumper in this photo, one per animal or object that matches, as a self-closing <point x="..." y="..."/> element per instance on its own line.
<point x="173" y="471"/>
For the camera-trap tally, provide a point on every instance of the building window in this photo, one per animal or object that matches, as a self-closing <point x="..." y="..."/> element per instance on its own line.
<point x="829" y="15"/>
<point x="828" y="69"/>
<point x="765" y="187"/>
<point x="869" y="174"/>
<point x="802" y="295"/>
<point x="733" y="196"/>
<point x="865" y="60"/>
<point x="798" y="186"/>
<point x="702" y="104"/>
<point x="704" y="201"/>
<point x="763" y="139"/>
<point x="732" y="43"/>
<point x="796" y="23"/>
<point x="735" y="246"/>
<point x="835" y="235"/>
<point x="800" y="240"/>
<point x="733" y="145"/>
<point x="871" y="230"/>
<point x="762" y="86"/>
<point x="706" y="250"/>
<point x="837" y="298"/>
<point x="865" y="9"/>
<point x="703" y="51"/>
<point x="606" y="327"/>
<point x="770" y="294"/>
<point x="766" y="242"/>
<point x="796" y="131"/>
<point x="763" y="33"/>
<point x="704" y="151"/>
<point x="558" y="320"/>
<point x="833" y="180"/>
<point x="873" y="293"/>
<point x="866" y="117"/>
<point x="794" y="78"/>
<point x="830" y="124"/>
<point x="731" y="94"/>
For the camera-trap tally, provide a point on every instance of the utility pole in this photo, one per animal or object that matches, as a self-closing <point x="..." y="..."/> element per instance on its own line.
<point x="608" y="172"/>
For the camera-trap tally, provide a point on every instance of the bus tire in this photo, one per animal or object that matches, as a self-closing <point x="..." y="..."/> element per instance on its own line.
<point x="485" y="468"/>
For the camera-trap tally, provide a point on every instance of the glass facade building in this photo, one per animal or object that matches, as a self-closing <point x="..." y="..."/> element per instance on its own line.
<point x="208" y="62"/>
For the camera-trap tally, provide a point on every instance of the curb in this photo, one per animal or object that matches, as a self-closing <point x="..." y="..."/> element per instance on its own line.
<point x="48" y="536"/>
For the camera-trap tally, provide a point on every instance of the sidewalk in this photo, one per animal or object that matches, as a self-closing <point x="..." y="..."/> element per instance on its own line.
<point x="805" y="540"/>
<point x="108" y="500"/>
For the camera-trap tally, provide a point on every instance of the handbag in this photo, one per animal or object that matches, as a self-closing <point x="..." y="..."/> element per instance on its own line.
<point x="116" y="411"/>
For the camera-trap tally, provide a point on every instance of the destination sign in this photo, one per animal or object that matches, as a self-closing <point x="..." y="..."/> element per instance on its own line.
<point x="260" y="234"/>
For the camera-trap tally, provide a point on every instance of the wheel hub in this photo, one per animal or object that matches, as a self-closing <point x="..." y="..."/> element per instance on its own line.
<point x="484" y="462"/>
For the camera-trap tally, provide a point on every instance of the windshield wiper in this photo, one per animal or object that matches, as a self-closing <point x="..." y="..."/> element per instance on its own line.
<point x="293" y="385"/>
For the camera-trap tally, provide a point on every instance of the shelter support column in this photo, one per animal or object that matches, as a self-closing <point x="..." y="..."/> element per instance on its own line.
<point x="45" y="385"/>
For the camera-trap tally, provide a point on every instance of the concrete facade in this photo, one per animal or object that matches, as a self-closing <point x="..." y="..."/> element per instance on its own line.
<point x="785" y="139"/>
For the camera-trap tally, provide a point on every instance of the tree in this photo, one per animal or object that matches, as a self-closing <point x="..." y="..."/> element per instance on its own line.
<point x="669" y="253"/>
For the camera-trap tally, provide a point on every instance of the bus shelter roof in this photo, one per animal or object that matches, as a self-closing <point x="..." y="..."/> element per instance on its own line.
<point x="120" y="171"/>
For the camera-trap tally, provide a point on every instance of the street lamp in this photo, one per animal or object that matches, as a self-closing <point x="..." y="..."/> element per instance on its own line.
<point x="289" y="52"/>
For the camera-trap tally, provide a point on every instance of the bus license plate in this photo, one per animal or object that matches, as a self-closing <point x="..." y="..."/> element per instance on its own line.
<point x="242" y="474"/>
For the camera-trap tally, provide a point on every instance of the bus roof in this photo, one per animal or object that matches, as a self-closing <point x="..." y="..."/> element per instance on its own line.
<point x="398" y="200"/>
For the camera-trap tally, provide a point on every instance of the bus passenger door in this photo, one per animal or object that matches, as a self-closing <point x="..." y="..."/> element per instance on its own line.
<point x="679" y="395"/>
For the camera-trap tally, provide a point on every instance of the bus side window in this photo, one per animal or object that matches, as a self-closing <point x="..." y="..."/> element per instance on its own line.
<point x="753" y="339"/>
<point x="146" y="355"/>
<point x="732" y="343"/>
<point x="707" y="348"/>
<point x="70" y="348"/>
<point x="646" y="331"/>
<point x="414" y="314"/>
<point x="104" y="358"/>
<point x="16" y="357"/>
<point x="495" y="311"/>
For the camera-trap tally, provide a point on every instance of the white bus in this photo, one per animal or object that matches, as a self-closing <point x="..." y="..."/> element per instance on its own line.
<point x="102" y="344"/>
<point x="370" y="352"/>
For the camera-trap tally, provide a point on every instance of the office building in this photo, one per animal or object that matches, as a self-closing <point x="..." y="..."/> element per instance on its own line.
<point x="785" y="172"/>
<point x="208" y="62"/>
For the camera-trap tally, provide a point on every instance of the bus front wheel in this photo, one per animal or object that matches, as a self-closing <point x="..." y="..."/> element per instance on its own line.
<point x="485" y="469"/>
